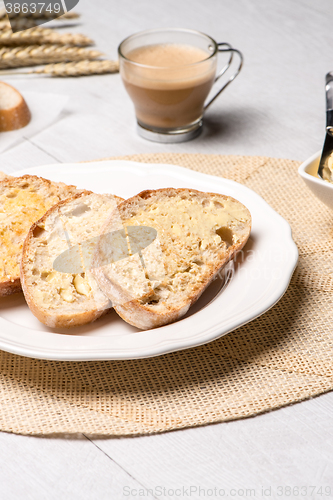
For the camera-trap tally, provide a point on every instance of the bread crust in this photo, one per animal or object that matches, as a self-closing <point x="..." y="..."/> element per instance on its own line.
<point x="10" y="287"/>
<point x="4" y="176"/>
<point x="144" y="316"/>
<point x="17" y="117"/>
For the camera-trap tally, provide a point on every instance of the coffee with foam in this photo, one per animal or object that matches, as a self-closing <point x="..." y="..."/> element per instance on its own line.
<point x="168" y="83"/>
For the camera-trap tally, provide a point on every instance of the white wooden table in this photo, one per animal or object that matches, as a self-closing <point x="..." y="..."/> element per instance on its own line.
<point x="276" y="108"/>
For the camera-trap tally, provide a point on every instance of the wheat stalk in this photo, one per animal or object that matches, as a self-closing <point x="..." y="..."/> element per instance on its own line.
<point x="38" y="15"/>
<point x="33" y="55"/>
<point x="42" y="36"/>
<point x="81" y="68"/>
<point x="3" y="13"/>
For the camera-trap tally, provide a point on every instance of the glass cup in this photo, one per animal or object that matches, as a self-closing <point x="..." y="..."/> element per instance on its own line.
<point x="168" y="74"/>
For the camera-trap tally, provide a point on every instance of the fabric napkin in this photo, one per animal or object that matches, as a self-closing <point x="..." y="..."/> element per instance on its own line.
<point x="44" y="107"/>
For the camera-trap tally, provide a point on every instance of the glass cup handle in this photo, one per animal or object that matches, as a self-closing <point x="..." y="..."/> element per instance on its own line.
<point x="225" y="47"/>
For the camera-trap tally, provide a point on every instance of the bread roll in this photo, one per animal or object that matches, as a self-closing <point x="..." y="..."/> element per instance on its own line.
<point x="14" y="112"/>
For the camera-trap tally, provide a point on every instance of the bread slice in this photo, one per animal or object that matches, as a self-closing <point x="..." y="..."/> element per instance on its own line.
<point x="23" y="200"/>
<point x="65" y="299"/>
<point x="14" y="112"/>
<point x="197" y="234"/>
<point x="4" y="176"/>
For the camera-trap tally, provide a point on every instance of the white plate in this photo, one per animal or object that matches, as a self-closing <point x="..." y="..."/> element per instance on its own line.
<point x="262" y="274"/>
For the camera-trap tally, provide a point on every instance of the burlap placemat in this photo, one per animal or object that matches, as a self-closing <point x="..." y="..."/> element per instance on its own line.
<point x="280" y="358"/>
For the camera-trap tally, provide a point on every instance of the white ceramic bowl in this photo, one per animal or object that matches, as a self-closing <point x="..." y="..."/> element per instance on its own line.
<point x="322" y="189"/>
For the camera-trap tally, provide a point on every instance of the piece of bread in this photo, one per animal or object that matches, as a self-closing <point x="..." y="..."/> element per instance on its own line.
<point x="65" y="299"/>
<point x="14" y="111"/>
<point x="23" y="200"/>
<point x="197" y="234"/>
<point x="4" y="176"/>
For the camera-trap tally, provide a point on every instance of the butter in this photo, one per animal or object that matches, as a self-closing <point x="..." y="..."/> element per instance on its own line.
<point x="184" y="215"/>
<point x="66" y="294"/>
<point x="52" y="276"/>
<point x="19" y="209"/>
<point x="204" y="244"/>
<point x="81" y="285"/>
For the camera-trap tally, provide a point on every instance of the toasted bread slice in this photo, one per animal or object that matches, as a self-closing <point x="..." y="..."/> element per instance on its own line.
<point x="23" y="200"/>
<point x="4" y="176"/>
<point x="56" y="297"/>
<point x="14" y="112"/>
<point x="197" y="234"/>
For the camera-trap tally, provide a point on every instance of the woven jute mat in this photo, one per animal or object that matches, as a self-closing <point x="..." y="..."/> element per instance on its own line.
<point x="282" y="357"/>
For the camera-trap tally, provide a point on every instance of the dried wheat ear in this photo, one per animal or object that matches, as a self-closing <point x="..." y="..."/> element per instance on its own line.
<point x="32" y="55"/>
<point x="61" y="53"/>
<point x="42" y="36"/>
<point x="81" y="68"/>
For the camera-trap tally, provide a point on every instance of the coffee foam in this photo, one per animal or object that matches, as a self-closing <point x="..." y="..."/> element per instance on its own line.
<point x="167" y="55"/>
<point x="168" y="66"/>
